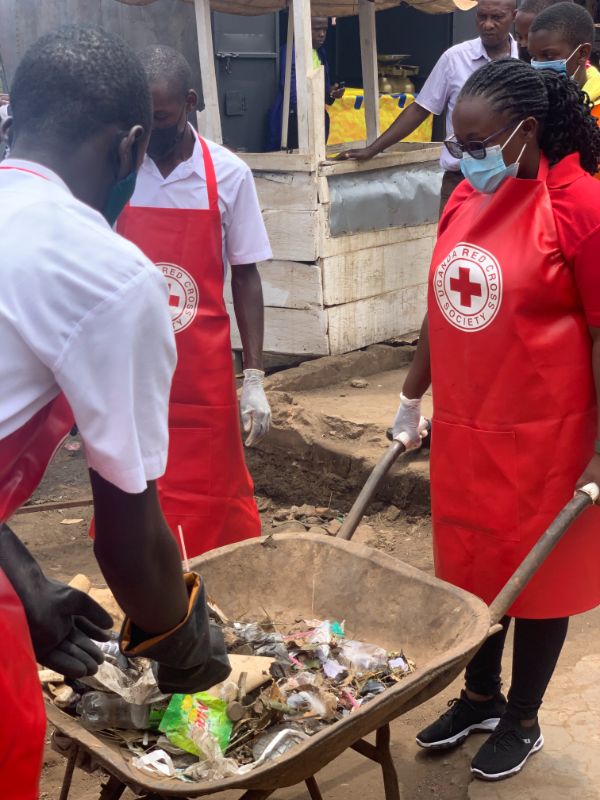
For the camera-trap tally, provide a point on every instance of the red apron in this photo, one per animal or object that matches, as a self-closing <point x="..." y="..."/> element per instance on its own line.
<point x="24" y="456"/>
<point x="514" y="401"/>
<point x="207" y="488"/>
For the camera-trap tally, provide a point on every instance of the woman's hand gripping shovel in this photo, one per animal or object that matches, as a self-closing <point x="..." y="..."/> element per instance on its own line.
<point x="397" y="447"/>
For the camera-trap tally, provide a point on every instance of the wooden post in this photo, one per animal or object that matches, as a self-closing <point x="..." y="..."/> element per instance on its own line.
<point x="289" y="51"/>
<point x="303" y="57"/>
<point x="209" y="120"/>
<point x="316" y="82"/>
<point x="368" y="57"/>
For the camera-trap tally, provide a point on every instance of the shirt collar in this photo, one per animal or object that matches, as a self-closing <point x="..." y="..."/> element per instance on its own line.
<point x="37" y="169"/>
<point x="193" y="166"/>
<point x="566" y="172"/>
<point x="478" y="50"/>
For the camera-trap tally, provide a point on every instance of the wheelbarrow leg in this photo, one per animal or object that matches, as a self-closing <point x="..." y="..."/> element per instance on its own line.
<point x="112" y="790"/>
<point x="380" y="752"/>
<point x="69" y="770"/>
<point x="313" y="789"/>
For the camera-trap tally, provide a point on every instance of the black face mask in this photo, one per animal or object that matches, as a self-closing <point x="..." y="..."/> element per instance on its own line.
<point x="163" y="141"/>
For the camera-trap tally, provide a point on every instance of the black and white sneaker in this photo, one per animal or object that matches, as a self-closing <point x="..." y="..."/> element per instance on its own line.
<point x="464" y="717"/>
<point x="506" y="751"/>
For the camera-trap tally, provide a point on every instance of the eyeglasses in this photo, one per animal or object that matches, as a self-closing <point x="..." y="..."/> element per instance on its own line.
<point x="473" y="148"/>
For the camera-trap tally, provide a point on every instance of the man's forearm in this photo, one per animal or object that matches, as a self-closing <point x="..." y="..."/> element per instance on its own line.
<point x="403" y="126"/>
<point x="418" y="379"/>
<point x="248" y="306"/>
<point x="138" y="556"/>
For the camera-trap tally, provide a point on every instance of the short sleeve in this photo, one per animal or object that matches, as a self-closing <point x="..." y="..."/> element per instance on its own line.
<point x="246" y="240"/>
<point x="586" y="267"/>
<point x="435" y="93"/>
<point x="116" y="373"/>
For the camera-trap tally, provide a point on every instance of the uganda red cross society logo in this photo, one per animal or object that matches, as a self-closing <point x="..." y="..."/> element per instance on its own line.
<point x="468" y="287"/>
<point x="183" y="295"/>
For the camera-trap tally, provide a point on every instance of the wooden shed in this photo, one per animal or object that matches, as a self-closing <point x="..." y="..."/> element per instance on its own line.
<point x="351" y="242"/>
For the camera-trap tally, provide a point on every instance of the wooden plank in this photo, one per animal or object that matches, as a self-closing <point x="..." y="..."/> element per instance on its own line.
<point x="209" y="119"/>
<point x="294" y="191"/>
<point x="303" y="60"/>
<point x="284" y="162"/>
<point x="287" y="82"/>
<point x="316" y="88"/>
<point x="334" y="246"/>
<point x="290" y="330"/>
<point x="294" y="235"/>
<point x="368" y="58"/>
<point x="287" y="284"/>
<point x="376" y="319"/>
<point x="394" y="158"/>
<point x="368" y="273"/>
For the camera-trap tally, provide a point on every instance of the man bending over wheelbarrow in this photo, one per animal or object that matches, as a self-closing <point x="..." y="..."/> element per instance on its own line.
<point x="86" y="337"/>
<point x="511" y="346"/>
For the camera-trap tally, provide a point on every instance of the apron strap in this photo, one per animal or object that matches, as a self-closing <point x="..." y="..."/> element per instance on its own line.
<point x="211" y="178"/>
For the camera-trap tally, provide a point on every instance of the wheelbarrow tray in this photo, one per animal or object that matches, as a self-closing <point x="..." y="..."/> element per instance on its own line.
<point x="306" y="576"/>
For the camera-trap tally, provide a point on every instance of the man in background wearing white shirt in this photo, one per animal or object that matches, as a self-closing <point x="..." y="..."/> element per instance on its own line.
<point x="86" y="338"/>
<point x="195" y="210"/>
<point x="494" y="20"/>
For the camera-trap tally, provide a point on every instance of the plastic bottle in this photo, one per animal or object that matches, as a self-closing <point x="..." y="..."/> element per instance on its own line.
<point x="99" y="710"/>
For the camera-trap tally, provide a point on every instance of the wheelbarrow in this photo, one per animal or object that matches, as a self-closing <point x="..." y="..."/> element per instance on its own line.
<point x="381" y="599"/>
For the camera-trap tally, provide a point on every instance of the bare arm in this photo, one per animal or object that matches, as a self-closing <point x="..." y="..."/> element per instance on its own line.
<point x="418" y="379"/>
<point x="249" y="311"/>
<point x="592" y="471"/>
<point x="138" y="556"/>
<point x="403" y="126"/>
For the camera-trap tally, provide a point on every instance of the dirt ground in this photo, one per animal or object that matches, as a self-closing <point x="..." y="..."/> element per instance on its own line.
<point x="59" y="540"/>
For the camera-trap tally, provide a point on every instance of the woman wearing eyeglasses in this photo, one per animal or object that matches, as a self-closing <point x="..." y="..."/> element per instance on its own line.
<point x="511" y="346"/>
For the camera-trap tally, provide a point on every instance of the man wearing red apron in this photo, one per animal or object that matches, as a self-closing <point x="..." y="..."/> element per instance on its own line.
<point x="86" y="337"/>
<point x="195" y="209"/>
<point x="511" y="346"/>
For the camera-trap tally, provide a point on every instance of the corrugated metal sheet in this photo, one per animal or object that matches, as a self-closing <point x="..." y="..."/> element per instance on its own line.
<point x="334" y="8"/>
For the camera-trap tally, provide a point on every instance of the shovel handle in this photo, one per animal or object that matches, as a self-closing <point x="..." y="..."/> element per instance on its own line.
<point x="584" y="497"/>
<point x="361" y="503"/>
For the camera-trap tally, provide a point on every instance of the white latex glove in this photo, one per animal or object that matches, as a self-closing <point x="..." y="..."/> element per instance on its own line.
<point x="255" y="408"/>
<point x="409" y="426"/>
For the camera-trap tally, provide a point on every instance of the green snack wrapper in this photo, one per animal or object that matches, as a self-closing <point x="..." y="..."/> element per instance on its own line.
<point x="190" y="716"/>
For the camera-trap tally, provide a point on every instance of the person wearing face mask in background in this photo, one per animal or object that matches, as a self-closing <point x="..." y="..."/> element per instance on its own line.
<point x="195" y="210"/>
<point x="494" y="19"/>
<point x="561" y="38"/>
<point x="511" y="348"/>
<point x="526" y="13"/>
<point x="86" y="337"/>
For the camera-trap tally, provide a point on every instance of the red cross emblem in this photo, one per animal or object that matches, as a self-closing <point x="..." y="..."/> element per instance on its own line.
<point x="465" y="287"/>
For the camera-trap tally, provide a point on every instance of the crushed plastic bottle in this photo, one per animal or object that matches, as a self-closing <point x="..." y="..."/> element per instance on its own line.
<point x="99" y="711"/>
<point x="363" y="657"/>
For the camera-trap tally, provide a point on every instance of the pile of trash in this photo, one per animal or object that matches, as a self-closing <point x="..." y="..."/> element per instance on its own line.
<point x="288" y="681"/>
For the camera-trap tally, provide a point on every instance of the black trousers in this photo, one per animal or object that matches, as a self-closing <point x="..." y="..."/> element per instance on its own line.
<point x="537" y="646"/>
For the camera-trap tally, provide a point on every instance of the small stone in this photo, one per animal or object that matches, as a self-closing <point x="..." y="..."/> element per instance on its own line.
<point x="282" y="514"/>
<point x="359" y="383"/>
<point x="392" y="513"/>
<point x="263" y="504"/>
<point x="291" y="526"/>
<point x="333" y="526"/>
<point x="364" y="534"/>
<point x="312" y="521"/>
<point x="318" y="529"/>
<point x="343" y="395"/>
<point x="304" y="511"/>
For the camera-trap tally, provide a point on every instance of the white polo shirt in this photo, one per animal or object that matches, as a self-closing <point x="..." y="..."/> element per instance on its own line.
<point x="245" y="239"/>
<point x="83" y="311"/>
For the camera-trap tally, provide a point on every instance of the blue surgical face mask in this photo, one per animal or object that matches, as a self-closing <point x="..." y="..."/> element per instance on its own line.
<point x="559" y="65"/>
<point x="486" y="174"/>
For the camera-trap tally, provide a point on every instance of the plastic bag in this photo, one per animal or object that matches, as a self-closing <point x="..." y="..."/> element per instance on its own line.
<point x="363" y="657"/>
<point x="197" y="723"/>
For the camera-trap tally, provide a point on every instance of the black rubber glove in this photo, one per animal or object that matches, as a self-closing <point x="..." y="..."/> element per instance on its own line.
<point x="191" y="657"/>
<point x="62" y="621"/>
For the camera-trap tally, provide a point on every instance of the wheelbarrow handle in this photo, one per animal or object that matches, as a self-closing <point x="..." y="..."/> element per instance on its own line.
<point x="361" y="503"/>
<point x="584" y="497"/>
